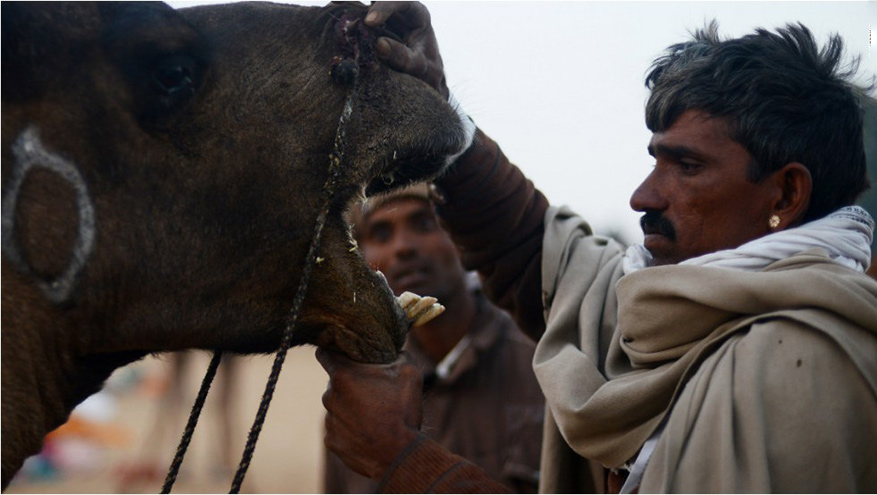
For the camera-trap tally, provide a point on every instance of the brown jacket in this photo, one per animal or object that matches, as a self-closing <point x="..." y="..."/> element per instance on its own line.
<point x="487" y="407"/>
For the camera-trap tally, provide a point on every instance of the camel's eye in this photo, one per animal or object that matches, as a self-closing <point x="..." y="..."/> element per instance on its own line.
<point x="173" y="79"/>
<point x="171" y="82"/>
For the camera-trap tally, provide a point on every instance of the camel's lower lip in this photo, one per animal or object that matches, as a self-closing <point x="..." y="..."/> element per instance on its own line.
<point x="383" y="279"/>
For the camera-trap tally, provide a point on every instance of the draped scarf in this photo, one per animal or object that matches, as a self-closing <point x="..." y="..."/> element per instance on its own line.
<point x="670" y="317"/>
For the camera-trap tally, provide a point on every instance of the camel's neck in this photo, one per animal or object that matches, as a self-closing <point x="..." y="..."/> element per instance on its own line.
<point x="33" y="387"/>
<point x="44" y="374"/>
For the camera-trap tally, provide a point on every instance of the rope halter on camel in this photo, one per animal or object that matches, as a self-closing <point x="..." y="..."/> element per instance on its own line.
<point x="345" y="72"/>
<point x="418" y="310"/>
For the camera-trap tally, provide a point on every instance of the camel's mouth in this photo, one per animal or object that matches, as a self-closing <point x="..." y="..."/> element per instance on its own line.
<point x="361" y="317"/>
<point x="409" y="310"/>
<point x="402" y="133"/>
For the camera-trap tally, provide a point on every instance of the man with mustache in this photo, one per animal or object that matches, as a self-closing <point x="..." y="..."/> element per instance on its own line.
<point x="481" y="398"/>
<point x="735" y="350"/>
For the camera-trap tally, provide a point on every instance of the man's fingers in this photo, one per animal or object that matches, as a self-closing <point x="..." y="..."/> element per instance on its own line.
<point x="380" y="12"/>
<point x="406" y="15"/>
<point x="325" y="360"/>
<point x="408" y="45"/>
<point x="338" y="365"/>
<point x="401" y="58"/>
<point x="330" y="361"/>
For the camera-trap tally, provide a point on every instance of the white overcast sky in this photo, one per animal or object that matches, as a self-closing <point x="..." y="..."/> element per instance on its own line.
<point x="560" y="84"/>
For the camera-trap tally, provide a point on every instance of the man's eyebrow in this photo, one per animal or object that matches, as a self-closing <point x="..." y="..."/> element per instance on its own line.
<point x="375" y="224"/>
<point x="424" y="210"/>
<point x="675" y="151"/>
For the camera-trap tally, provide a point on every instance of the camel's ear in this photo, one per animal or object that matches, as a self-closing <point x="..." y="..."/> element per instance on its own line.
<point x="796" y="184"/>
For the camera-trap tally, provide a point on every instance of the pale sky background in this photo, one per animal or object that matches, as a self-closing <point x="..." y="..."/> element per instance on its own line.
<point x="559" y="85"/>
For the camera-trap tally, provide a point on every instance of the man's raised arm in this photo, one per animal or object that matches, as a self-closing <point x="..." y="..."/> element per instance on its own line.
<point x="491" y="210"/>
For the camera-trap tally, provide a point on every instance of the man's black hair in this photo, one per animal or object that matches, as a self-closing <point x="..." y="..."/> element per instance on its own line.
<point x="785" y="101"/>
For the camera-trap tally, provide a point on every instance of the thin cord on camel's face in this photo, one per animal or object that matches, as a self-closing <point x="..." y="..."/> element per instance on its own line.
<point x="336" y="160"/>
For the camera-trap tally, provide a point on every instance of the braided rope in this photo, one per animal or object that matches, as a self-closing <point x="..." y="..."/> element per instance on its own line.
<point x="329" y="190"/>
<point x="191" y="423"/>
<point x="335" y="159"/>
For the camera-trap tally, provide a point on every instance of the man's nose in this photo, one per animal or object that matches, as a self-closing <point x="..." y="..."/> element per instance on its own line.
<point x="404" y="244"/>
<point x="648" y="196"/>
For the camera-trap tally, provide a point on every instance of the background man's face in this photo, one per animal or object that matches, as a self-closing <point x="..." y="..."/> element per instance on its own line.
<point x="697" y="199"/>
<point x="403" y="239"/>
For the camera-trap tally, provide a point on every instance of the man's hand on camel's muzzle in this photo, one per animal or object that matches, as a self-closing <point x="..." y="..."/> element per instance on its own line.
<point x="410" y="46"/>
<point x="373" y="411"/>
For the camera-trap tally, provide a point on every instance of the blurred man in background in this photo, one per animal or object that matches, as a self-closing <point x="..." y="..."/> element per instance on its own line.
<point x="482" y="400"/>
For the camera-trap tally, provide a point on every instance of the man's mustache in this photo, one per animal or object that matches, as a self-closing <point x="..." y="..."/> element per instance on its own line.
<point x="653" y="222"/>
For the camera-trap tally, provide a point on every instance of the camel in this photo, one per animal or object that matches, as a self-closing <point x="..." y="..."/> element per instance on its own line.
<point x="161" y="175"/>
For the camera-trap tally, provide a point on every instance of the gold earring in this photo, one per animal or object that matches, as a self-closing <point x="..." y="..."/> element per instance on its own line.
<point x="774" y="221"/>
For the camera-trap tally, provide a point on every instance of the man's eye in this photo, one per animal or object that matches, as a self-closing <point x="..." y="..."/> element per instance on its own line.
<point x="690" y="168"/>
<point x="425" y="224"/>
<point x="380" y="235"/>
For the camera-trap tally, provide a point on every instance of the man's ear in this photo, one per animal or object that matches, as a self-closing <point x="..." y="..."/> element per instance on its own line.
<point x="796" y="184"/>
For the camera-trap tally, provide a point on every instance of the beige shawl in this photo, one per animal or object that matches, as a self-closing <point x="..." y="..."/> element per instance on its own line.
<point x="610" y="383"/>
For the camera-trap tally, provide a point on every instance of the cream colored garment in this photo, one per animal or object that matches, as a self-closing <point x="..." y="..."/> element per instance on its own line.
<point x="579" y="271"/>
<point x="665" y="330"/>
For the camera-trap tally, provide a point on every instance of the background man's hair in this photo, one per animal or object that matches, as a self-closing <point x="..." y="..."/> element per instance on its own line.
<point x="360" y="212"/>
<point x="784" y="98"/>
